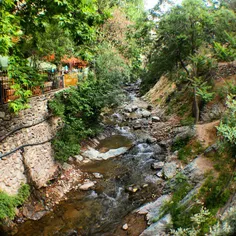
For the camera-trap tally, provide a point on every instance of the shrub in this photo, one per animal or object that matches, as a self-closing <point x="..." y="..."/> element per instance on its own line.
<point x="227" y="127"/>
<point x="9" y="203"/>
<point x="80" y="107"/>
<point x="223" y="52"/>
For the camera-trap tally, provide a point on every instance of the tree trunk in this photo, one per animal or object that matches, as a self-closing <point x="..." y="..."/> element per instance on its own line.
<point x="195" y="106"/>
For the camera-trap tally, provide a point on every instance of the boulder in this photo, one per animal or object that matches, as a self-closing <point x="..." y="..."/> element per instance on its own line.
<point x="184" y="132"/>
<point x="87" y="185"/>
<point x="158" y="228"/>
<point x="169" y="170"/>
<point x="145" y="113"/>
<point x="158" y="165"/>
<point x="153" y="210"/>
<point x="93" y="154"/>
<point x="157" y="149"/>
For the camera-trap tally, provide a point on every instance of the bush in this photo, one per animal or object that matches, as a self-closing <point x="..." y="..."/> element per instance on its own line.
<point x="80" y="107"/>
<point x="224" y="53"/>
<point x="227" y="127"/>
<point x="9" y="203"/>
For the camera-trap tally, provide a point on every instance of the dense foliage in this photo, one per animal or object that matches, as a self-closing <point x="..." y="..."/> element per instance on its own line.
<point x="80" y="107"/>
<point x="190" y="38"/>
<point x="38" y="31"/>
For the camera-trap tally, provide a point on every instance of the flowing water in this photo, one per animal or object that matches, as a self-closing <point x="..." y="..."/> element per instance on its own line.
<point x="128" y="182"/>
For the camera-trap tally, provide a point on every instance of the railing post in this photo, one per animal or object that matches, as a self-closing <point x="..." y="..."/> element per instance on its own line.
<point x="1" y="91"/>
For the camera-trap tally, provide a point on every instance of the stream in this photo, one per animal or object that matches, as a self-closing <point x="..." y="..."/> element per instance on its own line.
<point x="125" y="182"/>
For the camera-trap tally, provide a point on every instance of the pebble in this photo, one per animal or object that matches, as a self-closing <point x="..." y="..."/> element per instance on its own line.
<point x="155" y="119"/>
<point x="145" y="186"/>
<point x="125" y="227"/>
<point x="159" y="174"/>
<point x="98" y="175"/>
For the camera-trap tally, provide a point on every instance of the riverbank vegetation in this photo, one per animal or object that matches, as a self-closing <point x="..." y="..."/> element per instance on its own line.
<point x="194" y="48"/>
<point x="193" y="45"/>
<point x="9" y="203"/>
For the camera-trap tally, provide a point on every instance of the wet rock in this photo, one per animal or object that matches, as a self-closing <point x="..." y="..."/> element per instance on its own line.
<point x="87" y="185"/>
<point x="125" y="227"/>
<point x="137" y="126"/>
<point x="153" y="179"/>
<point x="98" y="175"/>
<point x="93" y="154"/>
<point x="156" y="119"/>
<point x="158" y="228"/>
<point x="78" y="158"/>
<point x="132" y="189"/>
<point x="169" y="170"/>
<point x="158" y="165"/>
<point x="160" y="174"/>
<point x="151" y="139"/>
<point x="113" y="153"/>
<point x="30" y="213"/>
<point x="145" y="113"/>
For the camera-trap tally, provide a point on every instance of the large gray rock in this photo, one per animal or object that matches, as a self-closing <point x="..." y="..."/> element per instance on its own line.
<point x="153" y="210"/>
<point x="158" y="228"/>
<point x="145" y="113"/>
<point x="169" y="170"/>
<point x="212" y="113"/>
<point x="193" y="172"/>
<point x="157" y="149"/>
<point x="158" y="165"/>
<point x="93" y="154"/>
<point x="87" y="185"/>
<point x="183" y="132"/>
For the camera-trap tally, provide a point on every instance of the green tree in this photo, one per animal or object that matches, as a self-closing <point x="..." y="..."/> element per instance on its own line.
<point x="9" y="27"/>
<point x="181" y="34"/>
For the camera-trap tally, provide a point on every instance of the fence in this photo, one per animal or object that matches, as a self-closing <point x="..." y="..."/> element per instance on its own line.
<point x="8" y="94"/>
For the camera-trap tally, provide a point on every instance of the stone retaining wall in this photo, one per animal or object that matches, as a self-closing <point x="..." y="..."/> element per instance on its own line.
<point x="33" y="163"/>
<point x="12" y="173"/>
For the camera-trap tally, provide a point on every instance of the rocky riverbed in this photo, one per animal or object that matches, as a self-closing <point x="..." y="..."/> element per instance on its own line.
<point x="108" y="187"/>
